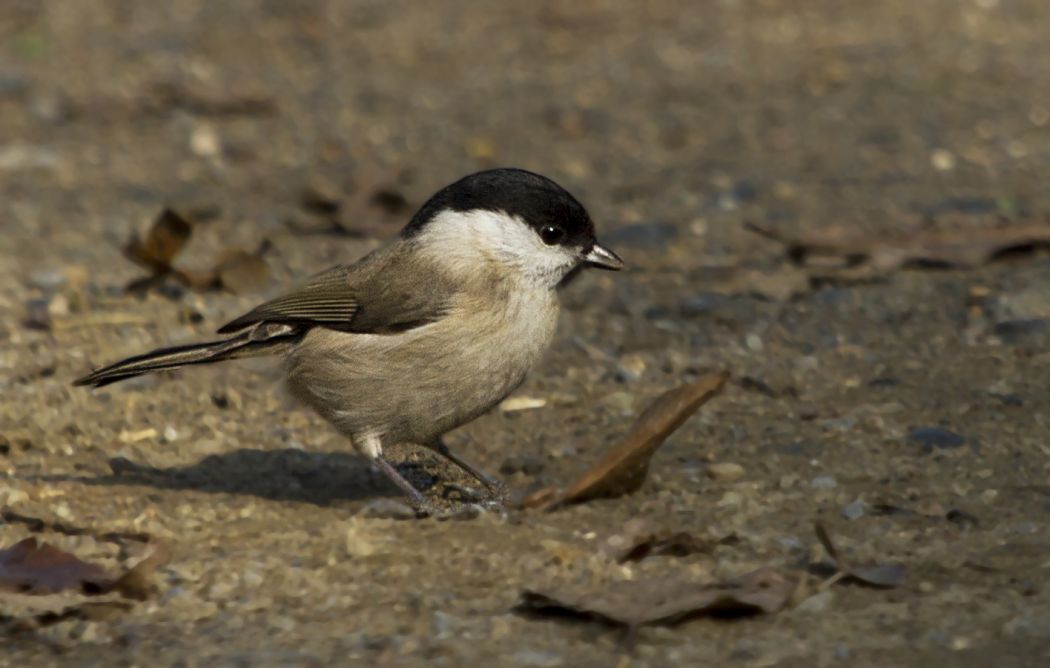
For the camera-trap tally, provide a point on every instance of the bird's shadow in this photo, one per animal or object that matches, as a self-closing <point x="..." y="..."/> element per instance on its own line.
<point x="280" y="475"/>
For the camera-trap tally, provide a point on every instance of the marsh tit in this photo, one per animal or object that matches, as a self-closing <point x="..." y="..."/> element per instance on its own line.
<point x="426" y="333"/>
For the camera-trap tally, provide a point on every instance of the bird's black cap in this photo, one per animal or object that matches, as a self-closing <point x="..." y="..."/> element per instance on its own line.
<point x="535" y="199"/>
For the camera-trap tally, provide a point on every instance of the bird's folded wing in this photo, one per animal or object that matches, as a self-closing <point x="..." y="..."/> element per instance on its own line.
<point x="362" y="298"/>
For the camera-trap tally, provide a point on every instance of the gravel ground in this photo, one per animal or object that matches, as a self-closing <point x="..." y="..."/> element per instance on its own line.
<point x="906" y="411"/>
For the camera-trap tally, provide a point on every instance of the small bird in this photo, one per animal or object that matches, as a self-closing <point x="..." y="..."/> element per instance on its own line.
<point x="426" y="333"/>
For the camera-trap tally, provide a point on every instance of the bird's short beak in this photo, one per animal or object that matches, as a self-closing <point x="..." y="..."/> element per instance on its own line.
<point x="601" y="257"/>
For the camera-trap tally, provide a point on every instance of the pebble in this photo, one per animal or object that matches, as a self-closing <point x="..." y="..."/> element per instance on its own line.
<point x="936" y="437"/>
<point x="388" y="509"/>
<point x="47" y="280"/>
<point x="817" y="602"/>
<point x="754" y="343"/>
<point x="1015" y="332"/>
<point x="823" y="482"/>
<point x="725" y="471"/>
<point x="961" y="518"/>
<point x="942" y="160"/>
<point x="730" y="499"/>
<point x="630" y="368"/>
<point x="854" y="510"/>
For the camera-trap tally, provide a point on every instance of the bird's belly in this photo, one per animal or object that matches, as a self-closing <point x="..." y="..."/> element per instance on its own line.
<point x="415" y="386"/>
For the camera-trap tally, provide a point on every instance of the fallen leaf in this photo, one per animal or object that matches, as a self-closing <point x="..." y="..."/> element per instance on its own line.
<point x="136" y="582"/>
<point x="87" y="611"/>
<point x="671" y="544"/>
<point x="235" y="270"/>
<point x="840" y="249"/>
<point x="624" y="468"/>
<point x="34" y="568"/>
<point x="669" y="600"/>
<point x="883" y="576"/>
<point x="29" y="567"/>
<point x="521" y="404"/>
<point x="165" y="240"/>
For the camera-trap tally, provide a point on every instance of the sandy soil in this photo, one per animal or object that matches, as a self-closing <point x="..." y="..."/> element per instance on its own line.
<point x="675" y="123"/>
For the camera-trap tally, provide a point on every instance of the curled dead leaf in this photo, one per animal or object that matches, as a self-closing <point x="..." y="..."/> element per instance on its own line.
<point x="883" y="576"/>
<point x="164" y="241"/>
<point x="235" y="270"/>
<point x="30" y="567"/>
<point x="844" y="250"/>
<point x="667" y="601"/>
<point x="624" y="468"/>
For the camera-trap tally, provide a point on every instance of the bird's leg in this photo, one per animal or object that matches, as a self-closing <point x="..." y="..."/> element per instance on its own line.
<point x="496" y="487"/>
<point x="418" y="502"/>
<point x="372" y="447"/>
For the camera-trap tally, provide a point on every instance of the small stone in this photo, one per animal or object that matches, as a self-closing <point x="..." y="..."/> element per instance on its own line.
<point x="823" y="482"/>
<point x="942" y="160"/>
<point x="630" y="368"/>
<point x="730" y="499"/>
<point x="58" y="307"/>
<point x="817" y="603"/>
<point x="961" y="518"/>
<point x="936" y="437"/>
<point x="725" y="471"/>
<point x="205" y="142"/>
<point x="126" y="436"/>
<point x="854" y="510"/>
<point x="170" y="435"/>
<point x="1015" y="332"/>
<point x="388" y="509"/>
<point x="13" y="497"/>
<point x="47" y="280"/>
<point x="754" y="343"/>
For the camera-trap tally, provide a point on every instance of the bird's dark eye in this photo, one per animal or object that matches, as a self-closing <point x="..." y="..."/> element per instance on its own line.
<point x="551" y="234"/>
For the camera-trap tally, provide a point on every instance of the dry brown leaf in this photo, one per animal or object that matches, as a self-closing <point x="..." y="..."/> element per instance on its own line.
<point x="638" y="539"/>
<point x="137" y="583"/>
<point x="670" y="600"/>
<point x="676" y="544"/>
<point x="165" y="240"/>
<point x="883" y="576"/>
<point x="844" y="250"/>
<point x="29" y="567"/>
<point x="235" y="270"/>
<point x="624" y="468"/>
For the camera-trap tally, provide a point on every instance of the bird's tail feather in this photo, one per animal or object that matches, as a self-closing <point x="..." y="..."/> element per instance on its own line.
<point x="242" y="345"/>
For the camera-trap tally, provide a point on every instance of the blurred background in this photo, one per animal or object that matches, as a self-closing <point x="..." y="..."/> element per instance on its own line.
<point x="318" y="127"/>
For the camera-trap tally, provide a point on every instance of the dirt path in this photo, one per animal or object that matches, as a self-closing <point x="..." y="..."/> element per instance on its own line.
<point x="905" y="410"/>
